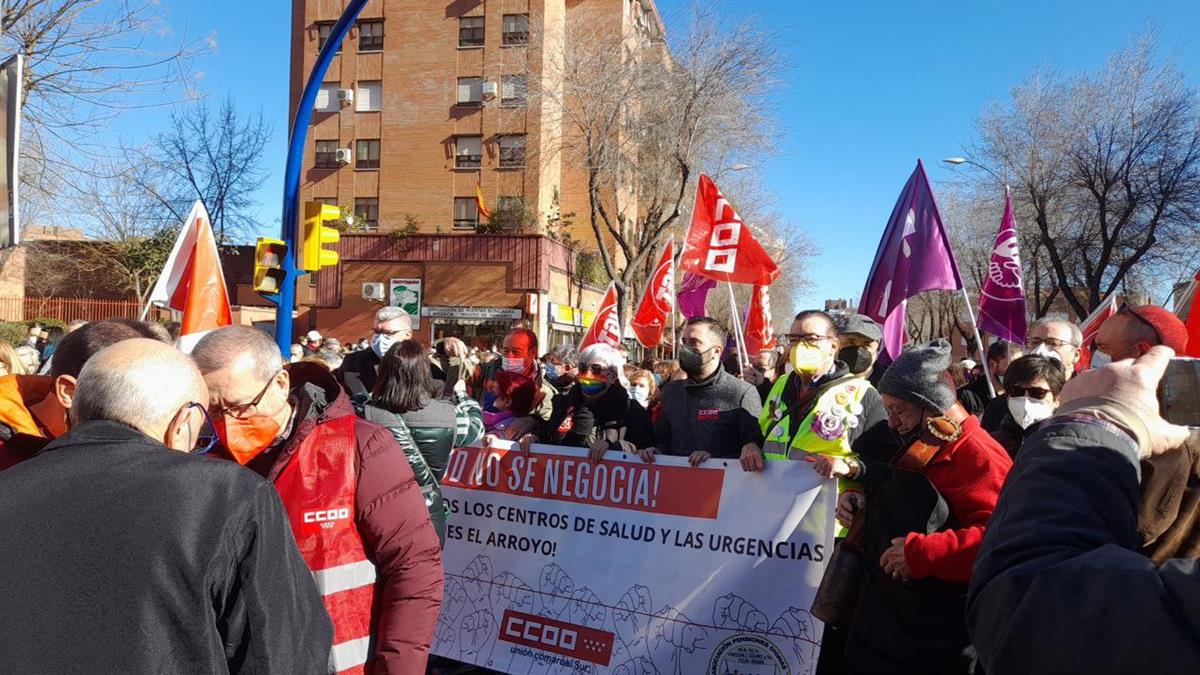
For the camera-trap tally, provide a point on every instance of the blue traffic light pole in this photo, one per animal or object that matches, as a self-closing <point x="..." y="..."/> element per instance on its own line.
<point x="285" y="300"/>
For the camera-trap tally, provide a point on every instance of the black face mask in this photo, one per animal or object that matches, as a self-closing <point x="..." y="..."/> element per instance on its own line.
<point x="690" y="361"/>
<point x="857" y="359"/>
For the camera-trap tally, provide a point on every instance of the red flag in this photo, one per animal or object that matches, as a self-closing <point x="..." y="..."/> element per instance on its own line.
<point x="606" y="327"/>
<point x="1091" y="326"/>
<point x="720" y="246"/>
<point x="1193" y="320"/>
<point x="760" y="331"/>
<point x="192" y="281"/>
<point x="651" y="317"/>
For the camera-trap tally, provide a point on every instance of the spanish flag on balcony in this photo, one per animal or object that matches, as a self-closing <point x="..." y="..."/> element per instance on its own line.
<point x="479" y="203"/>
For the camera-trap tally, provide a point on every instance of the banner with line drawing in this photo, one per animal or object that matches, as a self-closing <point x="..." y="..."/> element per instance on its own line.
<point x="558" y="565"/>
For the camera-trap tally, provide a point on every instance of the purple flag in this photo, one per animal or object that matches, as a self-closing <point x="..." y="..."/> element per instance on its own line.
<point x="914" y="256"/>
<point x="1002" y="300"/>
<point x="693" y="293"/>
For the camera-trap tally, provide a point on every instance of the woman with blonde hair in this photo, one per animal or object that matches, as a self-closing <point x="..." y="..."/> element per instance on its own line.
<point x="10" y="363"/>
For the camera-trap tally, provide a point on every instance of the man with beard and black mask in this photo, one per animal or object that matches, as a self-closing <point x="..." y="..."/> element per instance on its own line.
<point x="821" y="407"/>
<point x="358" y="371"/>
<point x="712" y="413"/>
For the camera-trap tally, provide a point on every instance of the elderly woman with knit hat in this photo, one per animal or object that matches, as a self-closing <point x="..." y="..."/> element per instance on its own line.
<point x="923" y="517"/>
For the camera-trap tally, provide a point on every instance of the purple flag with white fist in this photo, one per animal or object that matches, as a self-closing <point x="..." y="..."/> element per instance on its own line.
<point x="1002" y="300"/>
<point x="693" y="293"/>
<point x="914" y="256"/>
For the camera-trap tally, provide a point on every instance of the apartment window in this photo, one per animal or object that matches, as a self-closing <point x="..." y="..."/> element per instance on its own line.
<point x="366" y="154"/>
<point x="512" y="90"/>
<point x="327" y="99"/>
<point x="327" y="155"/>
<point x="468" y="152"/>
<point x="369" y="97"/>
<point x="516" y="30"/>
<point x="366" y="213"/>
<point x="466" y="213"/>
<point x="512" y="152"/>
<point x="331" y="201"/>
<point x="324" y="28"/>
<point x="370" y="36"/>
<point x="470" y="91"/>
<point x="470" y="31"/>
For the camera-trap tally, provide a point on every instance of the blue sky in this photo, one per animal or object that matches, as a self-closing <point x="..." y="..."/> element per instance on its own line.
<point x="870" y="87"/>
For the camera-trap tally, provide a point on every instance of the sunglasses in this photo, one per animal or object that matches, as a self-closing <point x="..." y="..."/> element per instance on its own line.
<point x="1127" y="310"/>
<point x="1037" y="393"/>
<point x="595" y="369"/>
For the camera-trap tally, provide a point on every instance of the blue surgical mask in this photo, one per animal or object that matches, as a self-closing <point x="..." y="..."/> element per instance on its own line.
<point x="552" y="371"/>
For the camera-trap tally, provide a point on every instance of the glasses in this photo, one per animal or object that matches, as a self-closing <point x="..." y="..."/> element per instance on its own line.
<point x="244" y="410"/>
<point x="1127" y="310"/>
<point x="1052" y="343"/>
<point x="595" y="369"/>
<point x="207" y="431"/>
<point x="811" y="339"/>
<point x="1039" y="393"/>
<point x="390" y="333"/>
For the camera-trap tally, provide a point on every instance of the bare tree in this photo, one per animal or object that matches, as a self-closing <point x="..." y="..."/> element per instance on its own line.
<point x="1106" y="166"/>
<point x="640" y="123"/>
<point x="213" y="157"/>
<point x="87" y="61"/>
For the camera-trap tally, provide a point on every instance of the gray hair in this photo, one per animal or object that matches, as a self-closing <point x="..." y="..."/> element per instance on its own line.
<point x="391" y="314"/>
<point x="221" y="347"/>
<point x="567" y="354"/>
<point x="136" y="382"/>
<point x="606" y="356"/>
<point x="1076" y="334"/>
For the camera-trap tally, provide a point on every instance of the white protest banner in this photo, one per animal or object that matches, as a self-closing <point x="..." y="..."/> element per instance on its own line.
<point x="555" y="564"/>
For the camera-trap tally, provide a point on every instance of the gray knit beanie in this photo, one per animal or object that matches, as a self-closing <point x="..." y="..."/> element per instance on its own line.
<point x="919" y="376"/>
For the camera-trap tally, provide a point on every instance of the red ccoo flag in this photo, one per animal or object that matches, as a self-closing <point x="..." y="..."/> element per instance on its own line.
<point x="651" y="317"/>
<point x="720" y="246"/>
<point x="192" y="281"/>
<point x="760" y="332"/>
<point x="606" y="327"/>
<point x="1193" y="320"/>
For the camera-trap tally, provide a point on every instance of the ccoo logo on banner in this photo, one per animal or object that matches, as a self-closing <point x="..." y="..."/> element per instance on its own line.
<point x="555" y="564"/>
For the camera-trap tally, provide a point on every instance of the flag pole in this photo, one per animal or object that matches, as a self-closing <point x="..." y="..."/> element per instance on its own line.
<point x="987" y="375"/>
<point x="737" y="329"/>
<point x="674" y="304"/>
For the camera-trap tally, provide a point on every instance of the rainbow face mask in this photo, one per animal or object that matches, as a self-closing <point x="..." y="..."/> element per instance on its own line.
<point x="591" y="385"/>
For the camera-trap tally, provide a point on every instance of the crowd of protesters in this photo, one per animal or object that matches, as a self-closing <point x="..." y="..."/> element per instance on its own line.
<point x="990" y="514"/>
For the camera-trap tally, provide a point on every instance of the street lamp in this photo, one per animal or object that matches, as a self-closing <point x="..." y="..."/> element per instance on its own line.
<point x="955" y="161"/>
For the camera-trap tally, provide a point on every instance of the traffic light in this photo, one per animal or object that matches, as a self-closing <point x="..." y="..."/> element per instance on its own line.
<point x="311" y="254"/>
<point x="268" y="265"/>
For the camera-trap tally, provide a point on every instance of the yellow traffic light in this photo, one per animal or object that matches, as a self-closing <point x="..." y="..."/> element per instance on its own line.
<point x="268" y="265"/>
<point x="314" y="235"/>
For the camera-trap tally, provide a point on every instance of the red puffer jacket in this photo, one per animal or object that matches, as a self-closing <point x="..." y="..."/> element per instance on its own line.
<point x="391" y="516"/>
<point x="968" y="473"/>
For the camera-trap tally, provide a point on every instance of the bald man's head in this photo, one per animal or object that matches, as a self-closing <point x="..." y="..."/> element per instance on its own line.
<point x="144" y="384"/>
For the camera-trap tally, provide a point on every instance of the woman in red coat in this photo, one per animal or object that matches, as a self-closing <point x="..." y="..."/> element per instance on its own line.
<point x="925" y="511"/>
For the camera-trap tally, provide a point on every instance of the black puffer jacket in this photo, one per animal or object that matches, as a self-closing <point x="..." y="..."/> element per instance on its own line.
<point x="425" y="475"/>
<point x="614" y="411"/>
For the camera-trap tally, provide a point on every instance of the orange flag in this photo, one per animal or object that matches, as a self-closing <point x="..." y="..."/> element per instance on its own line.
<point x="192" y="281"/>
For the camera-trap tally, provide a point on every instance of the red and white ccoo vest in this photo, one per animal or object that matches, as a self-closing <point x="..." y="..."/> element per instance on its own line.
<point x="318" y="487"/>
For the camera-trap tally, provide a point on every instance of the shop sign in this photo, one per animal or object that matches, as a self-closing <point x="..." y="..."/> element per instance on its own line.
<point x="570" y="316"/>
<point x="472" y="313"/>
<point x="406" y="294"/>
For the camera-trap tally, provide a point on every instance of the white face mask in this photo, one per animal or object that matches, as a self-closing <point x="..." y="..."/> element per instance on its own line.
<point x="1044" y="350"/>
<point x="1100" y="359"/>
<point x="514" y="365"/>
<point x="1029" y="411"/>
<point x="380" y="344"/>
<point x="640" y="394"/>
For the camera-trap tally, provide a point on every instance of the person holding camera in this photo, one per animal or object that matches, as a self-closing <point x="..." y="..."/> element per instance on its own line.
<point x="1059" y="585"/>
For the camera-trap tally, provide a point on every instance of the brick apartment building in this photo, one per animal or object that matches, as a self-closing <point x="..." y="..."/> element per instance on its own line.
<point x="426" y="103"/>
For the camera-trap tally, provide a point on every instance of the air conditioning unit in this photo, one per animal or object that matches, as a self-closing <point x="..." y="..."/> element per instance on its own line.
<point x="345" y="96"/>
<point x="490" y="90"/>
<point x="344" y="156"/>
<point x="373" y="291"/>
